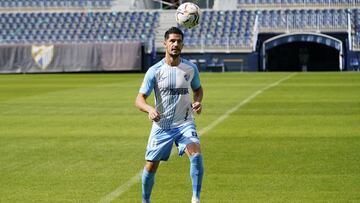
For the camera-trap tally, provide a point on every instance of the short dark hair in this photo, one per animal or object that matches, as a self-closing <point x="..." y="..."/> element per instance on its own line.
<point x="173" y="30"/>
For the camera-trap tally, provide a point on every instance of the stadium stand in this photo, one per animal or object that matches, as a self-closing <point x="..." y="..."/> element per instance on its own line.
<point x="54" y="3"/>
<point x="77" y="27"/>
<point x="356" y="29"/>
<point x="229" y="29"/>
<point x="235" y="28"/>
<point x="223" y="29"/>
<point x="303" y="20"/>
<point x="297" y="3"/>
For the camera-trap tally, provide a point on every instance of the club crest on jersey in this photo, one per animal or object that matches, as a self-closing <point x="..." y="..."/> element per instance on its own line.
<point x="187" y="77"/>
<point x="42" y="55"/>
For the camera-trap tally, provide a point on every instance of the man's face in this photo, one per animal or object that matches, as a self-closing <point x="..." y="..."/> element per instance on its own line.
<point x="174" y="44"/>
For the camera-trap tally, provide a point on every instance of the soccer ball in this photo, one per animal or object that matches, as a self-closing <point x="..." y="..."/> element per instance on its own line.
<point x="187" y="15"/>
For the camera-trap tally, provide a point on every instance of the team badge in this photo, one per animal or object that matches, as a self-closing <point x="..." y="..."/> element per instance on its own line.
<point x="42" y="55"/>
<point x="187" y="77"/>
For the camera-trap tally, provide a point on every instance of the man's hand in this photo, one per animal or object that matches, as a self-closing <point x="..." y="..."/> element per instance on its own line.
<point x="141" y="104"/>
<point x="154" y="115"/>
<point x="196" y="106"/>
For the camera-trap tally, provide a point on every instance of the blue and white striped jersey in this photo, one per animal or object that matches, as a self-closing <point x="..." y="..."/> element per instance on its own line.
<point x="171" y="85"/>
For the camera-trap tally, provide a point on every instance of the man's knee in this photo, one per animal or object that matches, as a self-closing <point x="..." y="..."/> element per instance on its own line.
<point x="193" y="148"/>
<point x="151" y="166"/>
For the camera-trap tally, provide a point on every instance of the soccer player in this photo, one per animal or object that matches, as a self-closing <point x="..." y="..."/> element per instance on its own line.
<point x="172" y="116"/>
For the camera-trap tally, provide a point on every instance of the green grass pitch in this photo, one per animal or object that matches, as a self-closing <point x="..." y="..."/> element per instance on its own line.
<point x="78" y="138"/>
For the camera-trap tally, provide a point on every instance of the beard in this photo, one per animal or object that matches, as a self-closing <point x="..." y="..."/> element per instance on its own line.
<point x="174" y="55"/>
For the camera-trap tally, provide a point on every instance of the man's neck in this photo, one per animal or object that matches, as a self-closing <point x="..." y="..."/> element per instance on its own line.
<point x="172" y="61"/>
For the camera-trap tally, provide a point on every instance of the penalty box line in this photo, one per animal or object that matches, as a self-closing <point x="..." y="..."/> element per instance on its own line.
<point x="136" y="178"/>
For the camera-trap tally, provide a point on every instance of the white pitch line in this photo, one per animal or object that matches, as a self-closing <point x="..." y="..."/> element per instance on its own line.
<point x="235" y="108"/>
<point x="122" y="188"/>
<point x="136" y="178"/>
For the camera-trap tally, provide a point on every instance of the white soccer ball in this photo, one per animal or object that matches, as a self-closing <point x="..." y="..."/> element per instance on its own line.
<point x="188" y="15"/>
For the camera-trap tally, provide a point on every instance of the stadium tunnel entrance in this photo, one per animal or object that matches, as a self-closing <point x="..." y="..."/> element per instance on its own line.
<point x="302" y="52"/>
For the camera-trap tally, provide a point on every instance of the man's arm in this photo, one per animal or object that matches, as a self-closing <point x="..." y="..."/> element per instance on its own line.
<point x="198" y="96"/>
<point x="143" y="106"/>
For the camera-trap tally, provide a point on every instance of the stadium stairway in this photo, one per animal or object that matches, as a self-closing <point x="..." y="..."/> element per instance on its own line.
<point x="166" y="20"/>
<point x="120" y="5"/>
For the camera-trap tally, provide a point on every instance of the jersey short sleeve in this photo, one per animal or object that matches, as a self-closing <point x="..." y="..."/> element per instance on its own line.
<point x="148" y="83"/>
<point x="195" y="83"/>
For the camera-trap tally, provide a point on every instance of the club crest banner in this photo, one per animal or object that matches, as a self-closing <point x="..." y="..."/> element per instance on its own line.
<point x="42" y="55"/>
<point x="71" y="57"/>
